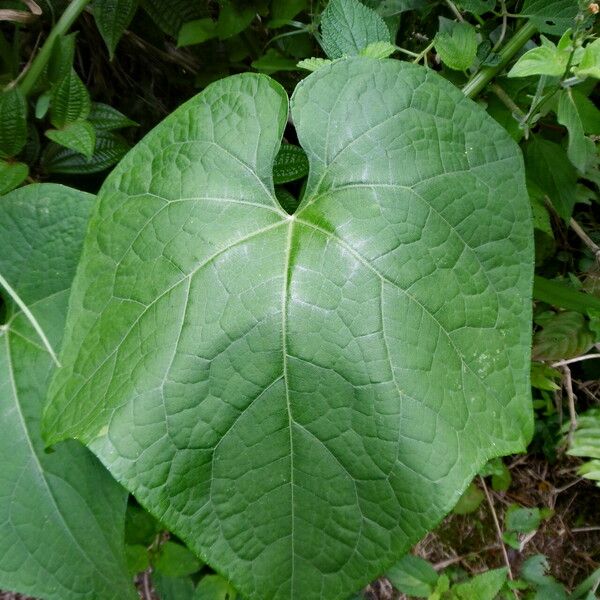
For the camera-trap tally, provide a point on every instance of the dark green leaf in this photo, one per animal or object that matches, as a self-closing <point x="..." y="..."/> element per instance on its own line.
<point x="469" y="502"/>
<point x="140" y="526"/>
<point x="12" y="175"/>
<point x="229" y="362"/>
<point x="70" y="101"/>
<point x="137" y="558"/>
<point x="477" y="7"/>
<point x="565" y="335"/>
<point x="173" y="588"/>
<point x="272" y="61"/>
<point x="215" y="587"/>
<point x="61" y="513"/>
<point x="197" y="32"/>
<point x="178" y="13"/>
<point x="283" y="11"/>
<point x="61" y="58"/>
<point x="79" y="136"/>
<point x="551" y="16"/>
<point x="13" y="122"/>
<point x="110" y="148"/>
<point x="106" y="118"/>
<point x="175" y="560"/>
<point x="112" y="19"/>
<point x="522" y="520"/>
<point x="549" y="167"/>
<point x="233" y="18"/>
<point x="347" y="27"/>
<point x="290" y="164"/>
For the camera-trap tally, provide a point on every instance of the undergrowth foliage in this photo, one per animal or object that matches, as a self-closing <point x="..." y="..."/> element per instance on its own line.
<point x="298" y="322"/>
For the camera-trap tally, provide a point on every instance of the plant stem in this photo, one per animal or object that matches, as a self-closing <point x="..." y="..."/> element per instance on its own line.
<point x="424" y="52"/>
<point x="486" y="74"/>
<point x="67" y="19"/>
<point x="507" y="100"/>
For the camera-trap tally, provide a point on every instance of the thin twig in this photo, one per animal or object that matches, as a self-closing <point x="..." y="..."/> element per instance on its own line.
<point x="569" y="361"/>
<point x="456" y="559"/>
<point x="146" y="586"/>
<point x="498" y="529"/>
<point x="585" y="238"/>
<point x="455" y="10"/>
<point x="585" y="529"/>
<point x="30" y="317"/>
<point x="504" y="25"/>
<point x="571" y="399"/>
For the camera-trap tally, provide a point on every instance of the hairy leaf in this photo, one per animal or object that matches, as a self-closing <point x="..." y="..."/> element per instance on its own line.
<point x="458" y="46"/>
<point x="300" y="397"/>
<point x="348" y="27"/>
<point x="112" y="19"/>
<point x="70" y="101"/>
<point x="61" y="513"/>
<point x="106" y="118"/>
<point x="290" y="164"/>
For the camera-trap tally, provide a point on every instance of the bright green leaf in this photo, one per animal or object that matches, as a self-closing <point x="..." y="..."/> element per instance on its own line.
<point x="290" y="164"/>
<point x="484" y="586"/>
<point x="197" y="32"/>
<point x="175" y="560"/>
<point x="378" y="50"/>
<point x="563" y="296"/>
<point x="112" y="19"/>
<point x="585" y="443"/>
<point x="458" y="46"/>
<point x="543" y="60"/>
<point x="137" y="558"/>
<point x="313" y="64"/>
<point x="544" y="377"/>
<point x="13" y="122"/>
<point x="589" y="65"/>
<point x="70" y="101"/>
<point x="229" y="362"/>
<point x="79" y="136"/>
<point x="61" y="513"/>
<point x="413" y="576"/>
<point x="12" y="175"/>
<point x="347" y="27"/>
<point x="215" y="587"/>
<point x="581" y="150"/>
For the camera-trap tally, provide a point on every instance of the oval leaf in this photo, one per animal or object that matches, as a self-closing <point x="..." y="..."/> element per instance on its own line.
<point x="300" y="397"/>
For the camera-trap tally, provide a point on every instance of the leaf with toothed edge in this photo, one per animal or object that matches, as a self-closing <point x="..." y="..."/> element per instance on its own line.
<point x="301" y="397"/>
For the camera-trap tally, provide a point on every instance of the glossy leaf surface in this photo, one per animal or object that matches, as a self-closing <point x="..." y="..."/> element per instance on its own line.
<point x="61" y="513"/>
<point x="300" y="398"/>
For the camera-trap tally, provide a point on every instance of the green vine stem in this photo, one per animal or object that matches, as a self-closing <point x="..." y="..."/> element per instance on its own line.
<point x="73" y="10"/>
<point x="486" y="74"/>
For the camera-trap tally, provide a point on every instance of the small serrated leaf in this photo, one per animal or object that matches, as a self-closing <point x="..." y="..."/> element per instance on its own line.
<point x="347" y="27"/>
<point x="457" y="47"/>
<point x="79" y="136"/>
<point x="13" y="122"/>
<point x="313" y="64"/>
<point x="70" y="101"/>
<point x="378" y="50"/>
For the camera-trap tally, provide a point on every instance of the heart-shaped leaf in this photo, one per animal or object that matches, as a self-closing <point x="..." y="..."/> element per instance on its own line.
<point x="61" y="513"/>
<point x="300" y="397"/>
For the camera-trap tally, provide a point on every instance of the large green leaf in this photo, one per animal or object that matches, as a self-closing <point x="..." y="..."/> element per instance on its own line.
<point x="302" y="397"/>
<point x="61" y="514"/>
